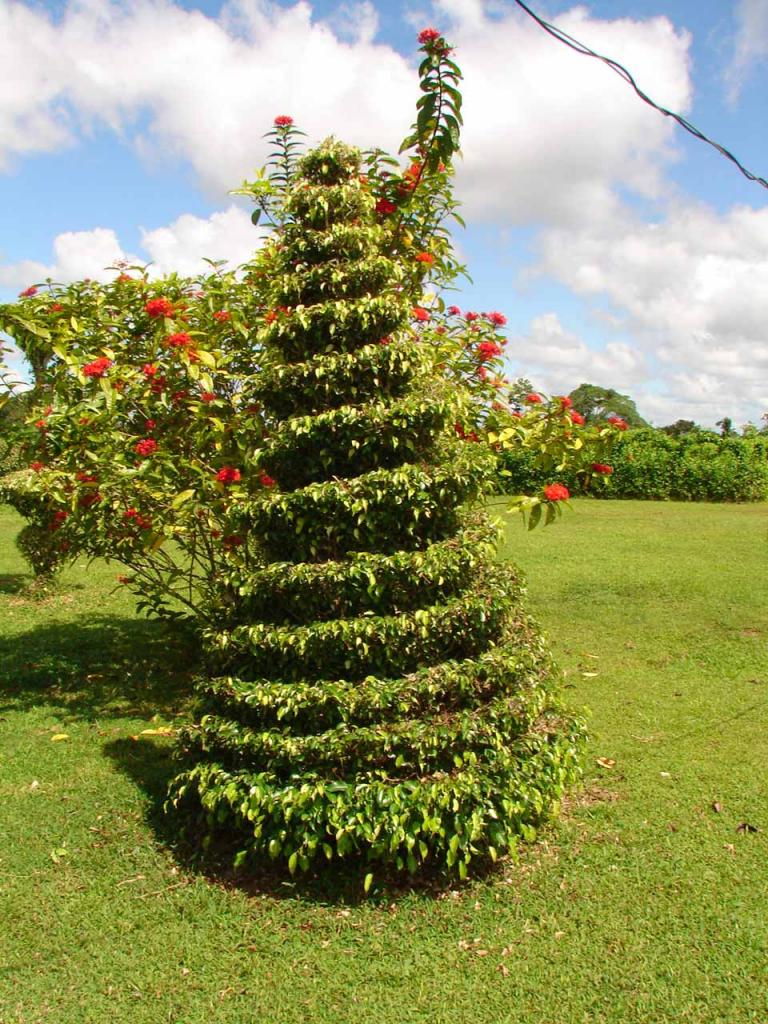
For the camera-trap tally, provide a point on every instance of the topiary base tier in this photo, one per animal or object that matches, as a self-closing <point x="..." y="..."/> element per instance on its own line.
<point x="374" y="685"/>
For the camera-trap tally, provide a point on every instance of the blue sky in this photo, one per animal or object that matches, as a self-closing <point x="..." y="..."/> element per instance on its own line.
<point x="622" y="251"/>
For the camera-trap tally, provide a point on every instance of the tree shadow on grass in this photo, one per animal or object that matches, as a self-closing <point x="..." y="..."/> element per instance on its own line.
<point x="99" y="666"/>
<point x="150" y="765"/>
<point x="12" y="582"/>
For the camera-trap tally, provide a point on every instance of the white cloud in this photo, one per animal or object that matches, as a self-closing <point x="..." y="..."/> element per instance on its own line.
<point x="558" y="359"/>
<point x="750" y="45"/>
<point x="185" y="244"/>
<point x="549" y="133"/>
<point x="76" y="254"/>
<point x="692" y="289"/>
<point x="181" y="247"/>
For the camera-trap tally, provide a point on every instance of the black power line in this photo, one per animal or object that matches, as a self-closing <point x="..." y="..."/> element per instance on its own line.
<point x="620" y="70"/>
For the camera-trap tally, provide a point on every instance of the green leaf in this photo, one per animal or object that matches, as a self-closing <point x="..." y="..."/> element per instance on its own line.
<point x="182" y="497"/>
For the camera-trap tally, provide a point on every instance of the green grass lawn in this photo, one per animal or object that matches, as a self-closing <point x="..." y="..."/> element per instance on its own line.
<point x="647" y="902"/>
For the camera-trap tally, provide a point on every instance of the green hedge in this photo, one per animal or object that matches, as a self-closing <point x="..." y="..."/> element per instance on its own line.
<point x="650" y="465"/>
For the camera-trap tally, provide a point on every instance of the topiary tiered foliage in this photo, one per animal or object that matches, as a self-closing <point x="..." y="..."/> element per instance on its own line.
<point x="375" y="686"/>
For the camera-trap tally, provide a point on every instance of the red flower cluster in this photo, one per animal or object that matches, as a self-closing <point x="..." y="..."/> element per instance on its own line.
<point x="576" y="417"/>
<point x="232" y="541"/>
<point x="497" y="319"/>
<point x="143" y="522"/>
<point x="463" y="434"/>
<point x="92" y="498"/>
<point x="601" y="467"/>
<point x="421" y="314"/>
<point x="618" y="422"/>
<point x="533" y="399"/>
<point x="228" y="475"/>
<point x="425" y="257"/>
<point x="85" y="478"/>
<point x="283" y="121"/>
<point x="181" y="340"/>
<point x="222" y="316"/>
<point x="28" y="292"/>
<point x="36" y="466"/>
<point x="565" y="402"/>
<point x="471" y="316"/>
<point x="159" y="307"/>
<point x="265" y="480"/>
<point x="208" y="396"/>
<point x="487" y="350"/>
<point x="123" y="277"/>
<point x="428" y="35"/>
<point x="556" y="492"/>
<point x="148" y="446"/>
<point x="58" y="519"/>
<point x="385" y="206"/>
<point x="454" y="311"/>
<point x="149" y="370"/>
<point x="98" y="368"/>
<point x="55" y="307"/>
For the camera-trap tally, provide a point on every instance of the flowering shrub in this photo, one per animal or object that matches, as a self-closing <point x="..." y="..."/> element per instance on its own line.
<point x="145" y="392"/>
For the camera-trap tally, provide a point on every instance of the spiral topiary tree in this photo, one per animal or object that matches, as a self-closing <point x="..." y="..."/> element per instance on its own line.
<point x="375" y="686"/>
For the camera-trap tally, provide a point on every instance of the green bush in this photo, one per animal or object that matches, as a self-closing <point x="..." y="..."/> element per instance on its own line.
<point x="653" y="466"/>
<point x="374" y="688"/>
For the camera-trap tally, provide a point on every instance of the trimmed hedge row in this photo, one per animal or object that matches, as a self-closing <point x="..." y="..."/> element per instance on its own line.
<point x="649" y="464"/>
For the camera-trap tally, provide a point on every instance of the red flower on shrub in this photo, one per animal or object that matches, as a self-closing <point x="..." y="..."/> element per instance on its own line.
<point x="618" y="422"/>
<point x="497" y="319"/>
<point x="92" y="498"/>
<point x="181" y="340"/>
<point x="36" y="466"/>
<point x="148" y="446"/>
<point x="149" y="369"/>
<point x="454" y="311"/>
<point x="98" y="368"/>
<point x="565" y="402"/>
<point x="266" y="480"/>
<point x="576" y="417"/>
<point x="487" y="350"/>
<point x="228" y="475"/>
<point x="601" y="467"/>
<point x="28" y="292"/>
<point x="85" y="478"/>
<point x="556" y="492"/>
<point x="533" y="399"/>
<point x="425" y="257"/>
<point x="159" y="307"/>
<point x="58" y="519"/>
<point x="428" y="35"/>
<point x="471" y="316"/>
<point x="150" y="424"/>
<point x="123" y="277"/>
<point x="55" y="307"/>
<point x="283" y="121"/>
<point x="385" y="206"/>
<point x="421" y="314"/>
<point x="232" y="541"/>
<point x="222" y="316"/>
<point x="208" y="396"/>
